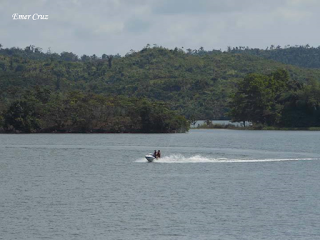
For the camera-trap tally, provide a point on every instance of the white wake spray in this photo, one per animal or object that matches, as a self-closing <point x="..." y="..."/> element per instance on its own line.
<point x="178" y="158"/>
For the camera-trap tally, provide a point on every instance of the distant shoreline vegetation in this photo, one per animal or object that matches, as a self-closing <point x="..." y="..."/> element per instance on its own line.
<point x="156" y="89"/>
<point x="41" y="111"/>
<point x="213" y="125"/>
<point x="274" y="101"/>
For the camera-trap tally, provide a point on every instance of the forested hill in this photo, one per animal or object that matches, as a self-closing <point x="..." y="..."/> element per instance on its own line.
<point x="302" y="56"/>
<point x="197" y="84"/>
<point x="299" y="55"/>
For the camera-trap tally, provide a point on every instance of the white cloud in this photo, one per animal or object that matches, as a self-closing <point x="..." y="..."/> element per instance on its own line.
<point x="112" y="26"/>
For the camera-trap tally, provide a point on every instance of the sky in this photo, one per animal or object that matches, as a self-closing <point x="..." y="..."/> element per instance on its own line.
<point x="117" y="26"/>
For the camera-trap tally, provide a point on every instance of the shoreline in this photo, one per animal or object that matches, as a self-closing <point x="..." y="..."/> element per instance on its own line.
<point x="17" y="133"/>
<point x="315" y="129"/>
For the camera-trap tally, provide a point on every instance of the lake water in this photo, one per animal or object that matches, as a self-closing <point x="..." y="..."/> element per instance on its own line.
<point x="210" y="184"/>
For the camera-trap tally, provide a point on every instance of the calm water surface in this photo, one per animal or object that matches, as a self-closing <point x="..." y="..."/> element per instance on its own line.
<point x="210" y="184"/>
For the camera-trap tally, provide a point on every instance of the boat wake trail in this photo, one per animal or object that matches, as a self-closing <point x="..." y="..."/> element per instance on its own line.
<point x="177" y="158"/>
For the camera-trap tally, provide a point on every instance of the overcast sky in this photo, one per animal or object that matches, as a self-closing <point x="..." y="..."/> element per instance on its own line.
<point x="117" y="26"/>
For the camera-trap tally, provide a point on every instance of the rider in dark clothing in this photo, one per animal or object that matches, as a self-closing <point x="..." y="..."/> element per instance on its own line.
<point x="155" y="153"/>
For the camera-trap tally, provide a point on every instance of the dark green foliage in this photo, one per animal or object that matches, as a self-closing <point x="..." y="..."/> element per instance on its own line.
<point x="196" y="84"/>
<point x="42" y="111"/>
<point x="273" y="100"/>
<point x="302" y="106"/>
<point x="21" y="117"/>
<point x="302" y="56"/>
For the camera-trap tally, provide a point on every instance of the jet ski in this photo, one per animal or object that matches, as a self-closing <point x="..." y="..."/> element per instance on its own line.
<point x="150" y="157"/>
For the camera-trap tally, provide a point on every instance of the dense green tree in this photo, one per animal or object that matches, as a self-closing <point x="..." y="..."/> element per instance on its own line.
<point x="302" y="106"/>
<point x="252" y="100"/>
<point x="273" y="100"/>
<point x="68" y="56"/>
<point x="21" y="117"/>
<point x="257" y="98"/>
<point x="40" y="110"/>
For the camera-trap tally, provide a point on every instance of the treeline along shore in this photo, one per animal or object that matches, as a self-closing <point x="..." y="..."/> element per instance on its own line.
<point x="157" y="89"/>
<point x="275" y="100"/>
<point x="41" y="111"/>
